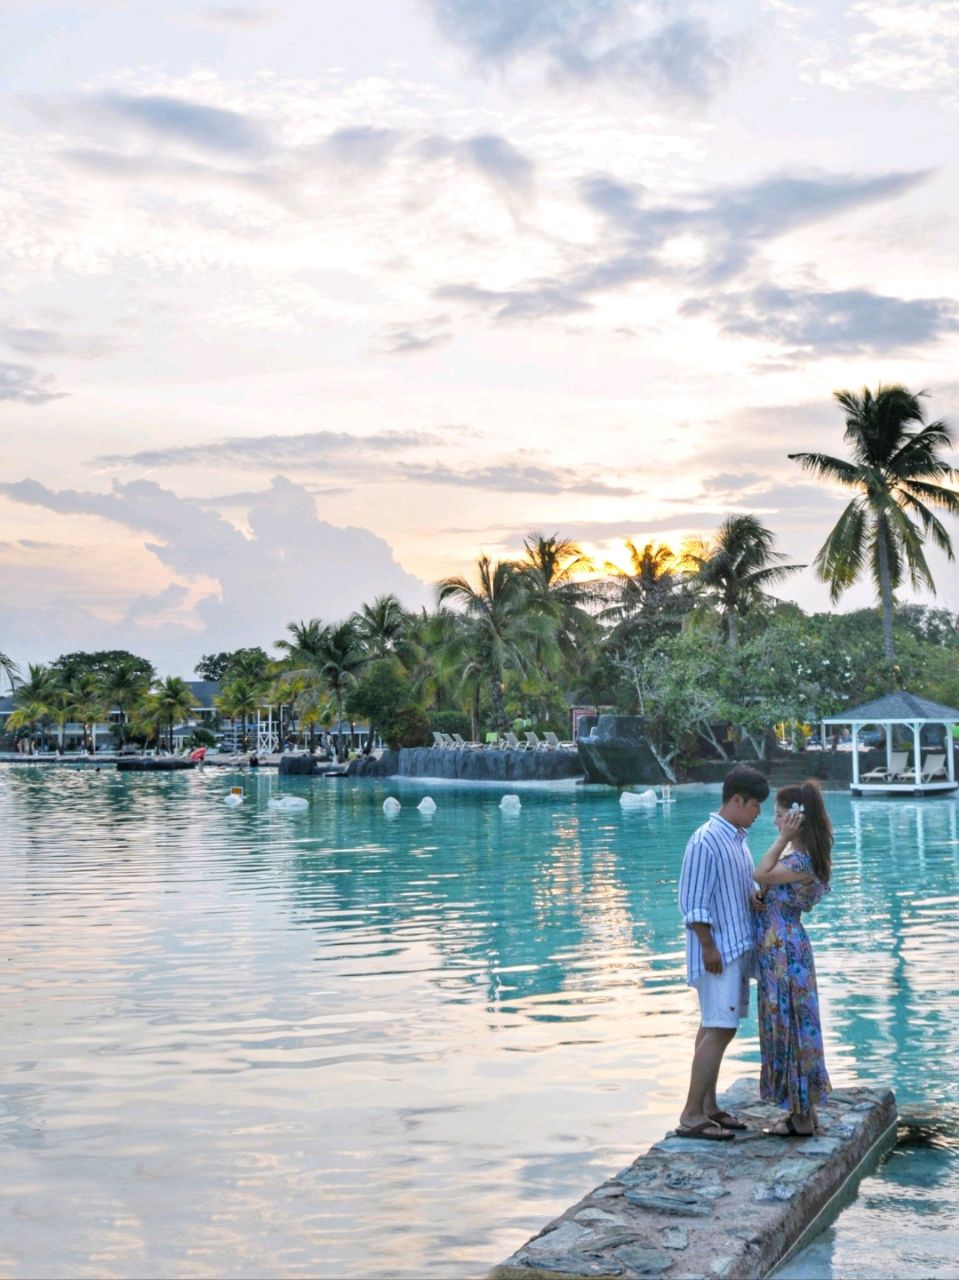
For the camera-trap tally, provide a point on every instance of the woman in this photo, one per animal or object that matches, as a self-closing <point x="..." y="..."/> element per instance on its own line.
<point x="793" y="875"/>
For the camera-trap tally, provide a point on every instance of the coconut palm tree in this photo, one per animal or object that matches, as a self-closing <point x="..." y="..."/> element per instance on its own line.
<point x="34" y="698"/>
<point x="171" y="700"/>
<point x="895" y="469"/>
<point x="649" y="595"/>
<point x="734" y="570"/>
<point x="507" y="626"/>
<point x="125" y="684"/>
<point x="553" y="568"/>
<point x="381" y="625"/>
<point x="341" y="660"/>
<point x="90" y="705"/>
<point x="9" y="669"/>
<point x="240" y="699"/>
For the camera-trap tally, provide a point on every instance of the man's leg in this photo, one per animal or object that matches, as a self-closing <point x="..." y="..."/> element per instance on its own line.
<point x="711" y="1044"/>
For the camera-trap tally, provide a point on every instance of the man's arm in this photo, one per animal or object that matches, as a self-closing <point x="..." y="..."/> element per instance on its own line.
<point x="697" y="884"/>
<point x="712" y="959"/>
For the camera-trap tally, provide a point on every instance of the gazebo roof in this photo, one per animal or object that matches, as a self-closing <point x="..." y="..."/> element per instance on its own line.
<point x="900" y="706"/>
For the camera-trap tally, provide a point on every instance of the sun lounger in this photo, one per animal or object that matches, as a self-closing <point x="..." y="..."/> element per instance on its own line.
<point x="533" y="742"/>
<point x="554" y="744"/>
<point x="897" y="764"/>
<point x="460" y="743"/>
<point x="933" y="767"/>
<point x="513" y="743"/>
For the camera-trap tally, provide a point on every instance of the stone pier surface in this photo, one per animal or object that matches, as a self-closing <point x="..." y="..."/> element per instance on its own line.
<point x="698" y="1210"/>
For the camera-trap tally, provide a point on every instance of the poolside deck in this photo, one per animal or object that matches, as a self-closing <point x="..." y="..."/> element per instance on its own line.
<point x="716" y="1211"/>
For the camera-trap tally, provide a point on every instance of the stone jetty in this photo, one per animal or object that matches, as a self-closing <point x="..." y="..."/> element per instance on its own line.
<point x="698" y="1210"/>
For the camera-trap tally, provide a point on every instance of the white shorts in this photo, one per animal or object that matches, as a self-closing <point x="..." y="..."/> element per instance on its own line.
<point x="724" y="997"/>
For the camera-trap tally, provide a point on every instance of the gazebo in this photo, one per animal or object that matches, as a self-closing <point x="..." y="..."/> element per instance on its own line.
<point x="930" y="773"/>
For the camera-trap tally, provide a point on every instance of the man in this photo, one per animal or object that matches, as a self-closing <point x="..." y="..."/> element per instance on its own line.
<point x="714" y="892"/>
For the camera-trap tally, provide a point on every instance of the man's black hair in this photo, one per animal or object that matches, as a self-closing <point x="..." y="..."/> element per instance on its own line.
<point x="743" y="780"/>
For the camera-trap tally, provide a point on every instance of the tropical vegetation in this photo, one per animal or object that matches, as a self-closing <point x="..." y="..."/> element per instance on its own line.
<point x="693" y="640"/>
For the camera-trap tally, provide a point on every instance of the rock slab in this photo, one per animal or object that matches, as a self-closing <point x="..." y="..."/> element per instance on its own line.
<point x="713" y="1209"/>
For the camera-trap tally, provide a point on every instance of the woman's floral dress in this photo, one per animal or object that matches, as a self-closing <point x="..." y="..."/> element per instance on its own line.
<point x="790" y="1031"/>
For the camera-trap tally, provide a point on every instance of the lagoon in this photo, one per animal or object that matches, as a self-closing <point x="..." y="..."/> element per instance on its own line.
<point x="330" y="1043"/>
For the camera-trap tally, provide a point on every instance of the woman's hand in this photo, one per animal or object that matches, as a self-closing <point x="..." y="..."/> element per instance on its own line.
<point x="791" y="823"/>
<point x="758" y="900"/>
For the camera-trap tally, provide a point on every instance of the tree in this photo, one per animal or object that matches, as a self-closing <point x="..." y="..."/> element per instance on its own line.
<point x="9" y="669"/>
<point x="895" y="466"/>
<point x="381" y="626"/>
<point x="735" y="568"/>
<point x="384" y="697"/>
<point x="240" y="699"/>
<point x="502" y="627"/>
<point x="34" y="700"/>
<point x="100" y="662"/>
<point x="219" y="666"/>
<point x="171" y="700"/>
<point x="89" y="705"/>
<point x="125" y="685"/>
<point x="649" y="599"/>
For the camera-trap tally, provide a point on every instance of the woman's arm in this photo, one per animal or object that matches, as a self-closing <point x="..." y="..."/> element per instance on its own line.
<point x="769" y="871"/>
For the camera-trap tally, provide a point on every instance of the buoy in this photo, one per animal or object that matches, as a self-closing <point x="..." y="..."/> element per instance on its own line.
<point x="287" y="804"/>
<point x="391" y="805"/>
<point x="427" y="805"/>
<point x="637" y="799"/>
<point x="235" y="798"/>
<point x="510" y="804"/>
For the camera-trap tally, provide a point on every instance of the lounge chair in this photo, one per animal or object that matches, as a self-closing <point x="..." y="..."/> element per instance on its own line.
<point x="513" y="743"/>
<point x="897" y="764"/>
<point x="533" y="742"/>
<point x="437" y="739"/>
<point x="554" y="744"/>
<point x="460" y="743"/>
<point x="933" y="767"/>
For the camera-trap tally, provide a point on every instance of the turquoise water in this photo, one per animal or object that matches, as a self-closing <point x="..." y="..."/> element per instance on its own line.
<point x="329" y="1043"/>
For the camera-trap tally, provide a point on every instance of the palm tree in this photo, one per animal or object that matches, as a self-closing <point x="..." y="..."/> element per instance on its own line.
<point x="648" y="594"/>
<point x="381" y="625"/>
<point x="34" y="698"/>
<point x="239" y="699"/>
<point x="124" y="685"/>
<point x="9" y="669"/>
<point x="171" y="700"/>
<point x="550" y="567"/>
<point x="499" y="610"/>
<point x="341" y="659"/>
<point x="896" y="463"/>
<point x="89" y="705"/>
<point x="735" y="568"/>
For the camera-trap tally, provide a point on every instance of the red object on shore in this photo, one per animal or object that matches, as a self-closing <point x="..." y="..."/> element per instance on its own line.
<point x="198" y="754"/>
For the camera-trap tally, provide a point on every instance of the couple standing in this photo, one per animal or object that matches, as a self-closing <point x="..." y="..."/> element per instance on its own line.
<point x="733" y="932"/>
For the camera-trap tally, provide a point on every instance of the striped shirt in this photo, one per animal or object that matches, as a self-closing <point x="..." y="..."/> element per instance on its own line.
<point x="714" y="888"/>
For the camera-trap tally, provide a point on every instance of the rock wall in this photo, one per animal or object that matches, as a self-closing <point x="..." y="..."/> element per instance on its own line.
<point x="489" y="766"/>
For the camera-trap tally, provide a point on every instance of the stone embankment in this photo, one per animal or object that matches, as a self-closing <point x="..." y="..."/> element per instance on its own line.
<point x="698" y="1210"/>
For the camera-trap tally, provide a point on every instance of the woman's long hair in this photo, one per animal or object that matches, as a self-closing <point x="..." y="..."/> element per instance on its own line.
<point x="816" y="830"/>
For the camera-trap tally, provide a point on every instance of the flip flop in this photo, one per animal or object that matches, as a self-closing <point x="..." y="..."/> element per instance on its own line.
<point x="706" y="1130"/>
<point x="728" y="1120"/>
<point x="790" y="1131"/>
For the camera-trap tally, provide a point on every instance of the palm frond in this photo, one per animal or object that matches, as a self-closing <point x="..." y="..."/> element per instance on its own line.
<point x="827" y="467"/>
<point x="841" y="558"/>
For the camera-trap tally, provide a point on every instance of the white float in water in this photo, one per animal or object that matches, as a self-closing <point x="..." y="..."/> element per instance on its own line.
<point x="510" y="804"/>
<point x="427" y="805"/>
<point x="235" y="798"/>
<point x="287" y="804"/>
<point x="637" y="799"/>
<point x="391" y="805"/>
<point x="665" y="795"/>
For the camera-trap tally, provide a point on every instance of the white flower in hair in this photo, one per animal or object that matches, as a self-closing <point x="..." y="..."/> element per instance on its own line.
<point x="797" y="808"/>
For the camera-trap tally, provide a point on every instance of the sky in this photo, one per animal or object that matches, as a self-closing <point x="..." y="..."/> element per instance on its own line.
<point x="300" y="305"/>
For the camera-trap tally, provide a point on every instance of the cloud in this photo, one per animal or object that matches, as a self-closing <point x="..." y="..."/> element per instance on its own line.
<point x="26" y="385"/>
<point x="318" y="448"/>
<point x="489" y="154"/>
<point x="729" y="225"/>
<point x="515" y="478"/>
<point x="823" y="323"/>
<point x="591" y="39"/>
<point x="230" y="15"/>
<point x="363" y="146"/>
<point x="290" y="565"/>
<point x="29" y="341"/>
<point x="421" y="336"/>
<point x="179" y="119"/>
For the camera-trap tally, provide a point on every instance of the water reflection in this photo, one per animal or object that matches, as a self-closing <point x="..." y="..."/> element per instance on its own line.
<point x="402" y="1045"/>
